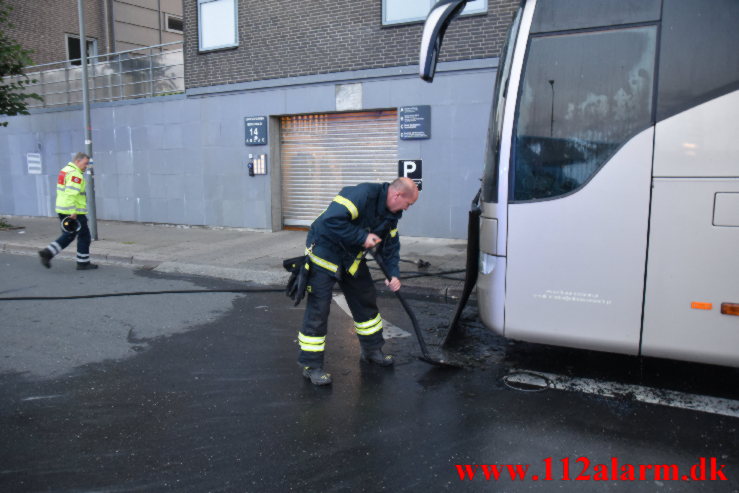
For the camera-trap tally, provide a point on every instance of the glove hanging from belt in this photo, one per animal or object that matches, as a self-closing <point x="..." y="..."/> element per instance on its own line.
<point x="299" y="268"/>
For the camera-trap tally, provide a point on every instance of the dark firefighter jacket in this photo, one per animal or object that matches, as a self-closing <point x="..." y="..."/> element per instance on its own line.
<point x="337" y="236"/>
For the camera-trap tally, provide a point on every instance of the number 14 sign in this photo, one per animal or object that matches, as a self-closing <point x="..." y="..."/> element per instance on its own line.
<point x="256" y="130"/>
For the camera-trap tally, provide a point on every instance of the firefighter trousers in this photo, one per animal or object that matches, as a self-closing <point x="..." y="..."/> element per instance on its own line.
<point x="361" y="297"/>
<point x="83" y="240"/>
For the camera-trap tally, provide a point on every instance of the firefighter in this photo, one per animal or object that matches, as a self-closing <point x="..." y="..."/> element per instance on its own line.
<point x="359" y="218"/>
<point x="71" y="206"/>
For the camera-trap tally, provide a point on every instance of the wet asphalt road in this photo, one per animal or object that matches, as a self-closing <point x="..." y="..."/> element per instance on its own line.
<point x="202" y="393"/>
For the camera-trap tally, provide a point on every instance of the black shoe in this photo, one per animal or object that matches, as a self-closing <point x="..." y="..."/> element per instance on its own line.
<point x="377" y="357"/>
<point x="317" y="376"/>
<point x="46" y="257"/>
<point x="86" y="266"/>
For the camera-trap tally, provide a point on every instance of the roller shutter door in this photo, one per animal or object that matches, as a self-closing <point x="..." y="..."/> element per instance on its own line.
<point x="320" y="154"/>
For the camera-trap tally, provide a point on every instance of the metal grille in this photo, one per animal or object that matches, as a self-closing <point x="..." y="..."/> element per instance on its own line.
<point x="322" y="153"/>
<point x="143" y="72"/>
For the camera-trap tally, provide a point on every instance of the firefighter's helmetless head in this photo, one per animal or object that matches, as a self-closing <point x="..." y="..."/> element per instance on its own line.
<point x="81" y="160"/>
<point x="401" y="194"/>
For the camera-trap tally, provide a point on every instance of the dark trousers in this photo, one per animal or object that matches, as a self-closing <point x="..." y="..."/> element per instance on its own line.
<point x="83" y="240"/>
<point x="361" y="297"/>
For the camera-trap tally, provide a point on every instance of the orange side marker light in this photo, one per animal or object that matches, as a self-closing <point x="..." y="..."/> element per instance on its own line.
<point x="696" y="305"/>
<point x="730" y="308"/>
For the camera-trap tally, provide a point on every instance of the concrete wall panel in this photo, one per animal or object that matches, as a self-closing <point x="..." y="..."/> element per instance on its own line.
<point x="182" y="159"/>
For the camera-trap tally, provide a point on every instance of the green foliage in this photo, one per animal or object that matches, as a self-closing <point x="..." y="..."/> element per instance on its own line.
<point x="13" y="57"/>
<point x="4" y="224"/>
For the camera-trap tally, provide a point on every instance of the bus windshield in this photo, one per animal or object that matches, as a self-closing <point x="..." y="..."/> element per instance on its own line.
<point x="492" y="150"/>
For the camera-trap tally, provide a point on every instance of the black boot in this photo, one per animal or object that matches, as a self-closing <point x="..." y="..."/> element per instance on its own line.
<point x="46" y="257"/>
<point x="86" y="266"/>
<point x="317" y="376"/>
<point x="377" y="357"/>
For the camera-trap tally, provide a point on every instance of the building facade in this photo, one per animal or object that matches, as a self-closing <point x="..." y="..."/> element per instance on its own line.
<point x="282" y="38"/>
<point x="285" y="102"/>
<point x="51" y="29"/>
<point x="48" y="28"/>
<point x="137" y="24"/>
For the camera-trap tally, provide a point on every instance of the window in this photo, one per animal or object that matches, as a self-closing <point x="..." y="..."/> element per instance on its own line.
<point x="699" y="57"/>
<point x="74" y="55"/>
<point x="495" y="127"/>
<point x="217" y="24"/>
<point x="404" y="11"/>
<point x="582" y="97"/>
<point x="562" y="15"/>
<point x="173" y="23"/>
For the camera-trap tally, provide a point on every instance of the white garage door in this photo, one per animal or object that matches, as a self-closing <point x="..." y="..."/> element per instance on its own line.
<point x="320" y="154"/>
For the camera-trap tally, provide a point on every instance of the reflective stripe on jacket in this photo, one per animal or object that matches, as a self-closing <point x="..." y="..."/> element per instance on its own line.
<point x="337" y="236"/>
<point x="70" y="191"/>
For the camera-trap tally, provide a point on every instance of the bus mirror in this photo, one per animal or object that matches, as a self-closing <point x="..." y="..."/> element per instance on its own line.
<point x="433" y="32"/>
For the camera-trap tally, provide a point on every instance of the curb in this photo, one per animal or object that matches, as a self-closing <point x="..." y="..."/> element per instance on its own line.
<point x="103" y="257"/>
<point x="443" y="294"/>
<point x="420" y="293"/>
<point x="263" y="277"/>
<point x="13" y="248"/>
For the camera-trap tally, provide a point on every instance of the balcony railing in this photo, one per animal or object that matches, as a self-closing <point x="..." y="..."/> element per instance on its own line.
<point x="140" y="73"/>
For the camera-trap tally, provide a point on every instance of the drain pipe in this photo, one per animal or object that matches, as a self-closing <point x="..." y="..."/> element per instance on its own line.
<point x="106" y="23"/>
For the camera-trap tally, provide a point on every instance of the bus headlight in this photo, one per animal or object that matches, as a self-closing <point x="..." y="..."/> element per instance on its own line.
<point x="487" y="263"/>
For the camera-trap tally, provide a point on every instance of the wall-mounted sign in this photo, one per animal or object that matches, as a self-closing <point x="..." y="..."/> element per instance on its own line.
<point x="256" y="130"/>
<point x="411" y="169"/>
<point x="415" y="122"/>
<point x="33" y="161"/>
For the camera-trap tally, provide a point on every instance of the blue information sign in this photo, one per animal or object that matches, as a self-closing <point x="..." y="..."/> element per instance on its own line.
<point x="256" y="130"/>
<point x="415" y="122"/>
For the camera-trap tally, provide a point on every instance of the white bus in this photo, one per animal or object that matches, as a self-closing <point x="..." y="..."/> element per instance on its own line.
<point x="610" y="195"/>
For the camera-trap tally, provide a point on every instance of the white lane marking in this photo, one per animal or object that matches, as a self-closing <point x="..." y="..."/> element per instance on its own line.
<point x="389" y="331"/>
<point x="39" y="397"/>
<point x="670" y="398"/>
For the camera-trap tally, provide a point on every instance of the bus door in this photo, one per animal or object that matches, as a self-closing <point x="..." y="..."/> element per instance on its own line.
<point x="579" y="184"/>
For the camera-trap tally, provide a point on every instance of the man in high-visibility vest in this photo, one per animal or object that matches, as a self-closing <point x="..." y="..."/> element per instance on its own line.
<point x="71" y="202"/>
<point x="359" y="217"/>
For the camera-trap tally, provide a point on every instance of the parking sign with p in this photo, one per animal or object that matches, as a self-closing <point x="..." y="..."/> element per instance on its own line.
<point x="411" y="169"/>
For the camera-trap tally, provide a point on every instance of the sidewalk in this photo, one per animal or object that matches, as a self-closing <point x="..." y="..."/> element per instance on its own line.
<point x="228" y="253"/>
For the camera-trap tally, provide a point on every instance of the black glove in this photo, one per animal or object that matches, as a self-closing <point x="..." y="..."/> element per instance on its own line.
<point x="299" y="270"/>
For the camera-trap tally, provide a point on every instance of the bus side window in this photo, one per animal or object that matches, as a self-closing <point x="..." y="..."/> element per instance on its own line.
<point x="699" y="54"/>
<point x="583" y="96"/>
